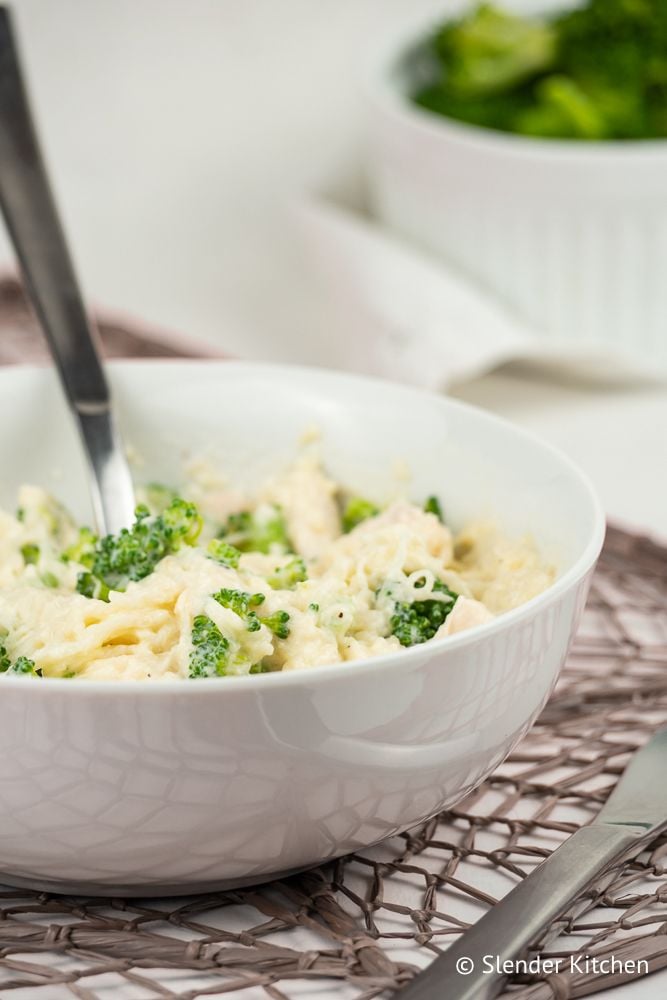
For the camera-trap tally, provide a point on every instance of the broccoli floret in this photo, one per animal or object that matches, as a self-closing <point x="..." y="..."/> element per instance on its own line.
<point x="598" y="71"/>
<point x="23" y="665"/>
<point x="135" y="552"/>
<point x="491" y="50"/>
<point x="286" y="577"/>
<point x="357" y="510"/>
<point x="614" y="39"/>
<point x="416" y="622"/>
<point x="83" y="550"/>
<point x="30" y="553"/>
<point x="562" y="109"/>
<point x="223" y="553"/>
<point x="210" y="653"/>
<point x="262" y="530"/>
<point x="213" y="654"/>
<point x="278" y="623"/>
<point x="433" y="506"/>
<point x="5" y="662"/>
<point x="180" y="523"/>
<point x="90" y="586"/>
<point x="495" y="111"/>
<point x="259" y="668"/>
<point x="615" y="51"/>
<point x="244" y="604"/>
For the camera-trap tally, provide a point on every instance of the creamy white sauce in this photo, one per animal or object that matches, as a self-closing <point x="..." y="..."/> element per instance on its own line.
<point x="341" y="613"/>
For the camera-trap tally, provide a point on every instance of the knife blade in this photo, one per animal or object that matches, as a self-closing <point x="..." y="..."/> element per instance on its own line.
<point x="477" y="965"/>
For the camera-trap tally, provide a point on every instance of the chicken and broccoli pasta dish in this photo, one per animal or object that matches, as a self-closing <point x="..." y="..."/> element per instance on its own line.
<point x="213" y="583"/>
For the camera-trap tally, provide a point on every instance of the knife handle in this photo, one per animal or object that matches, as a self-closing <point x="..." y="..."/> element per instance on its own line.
<point x="516" y="922"/>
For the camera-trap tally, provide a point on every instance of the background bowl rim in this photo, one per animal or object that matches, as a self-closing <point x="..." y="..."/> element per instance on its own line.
<point x="399" y="659"/>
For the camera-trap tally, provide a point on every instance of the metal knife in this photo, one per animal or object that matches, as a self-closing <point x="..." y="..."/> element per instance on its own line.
<point x="635" y="812"/>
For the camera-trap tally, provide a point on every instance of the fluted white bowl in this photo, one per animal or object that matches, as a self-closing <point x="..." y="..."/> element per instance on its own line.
<point x="572" y="235"/>
<point x="178" y="786"/>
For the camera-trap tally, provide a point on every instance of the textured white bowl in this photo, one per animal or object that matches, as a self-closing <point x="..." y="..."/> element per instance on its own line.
<point x="182" y="786"/>
<point x="573" y="235"/>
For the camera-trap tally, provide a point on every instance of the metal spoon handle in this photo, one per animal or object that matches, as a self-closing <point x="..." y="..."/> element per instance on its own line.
<point x="32" y="219"/>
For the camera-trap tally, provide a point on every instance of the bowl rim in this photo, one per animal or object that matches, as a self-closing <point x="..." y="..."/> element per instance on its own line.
<point x="397" y="660"/>
<point x="382" y="94"/>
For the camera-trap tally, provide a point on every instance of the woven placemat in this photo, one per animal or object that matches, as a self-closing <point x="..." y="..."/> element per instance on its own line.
<point x="361" y="927"/>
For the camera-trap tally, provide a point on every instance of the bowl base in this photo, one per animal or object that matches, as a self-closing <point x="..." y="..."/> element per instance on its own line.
<point x="143" y="890"/>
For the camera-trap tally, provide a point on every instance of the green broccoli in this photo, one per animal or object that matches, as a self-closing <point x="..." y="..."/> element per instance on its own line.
<point x="598" y="71"/>
<point x="496" y="112"/>
<point x="83" y="550"/>
<point x="244" y="604"/>
<point x="135" y="552"/>
<point x="278" y="624"/>
<point x="30" y="553"/>
<point x="286" y="577"/>
<point x="23" y="665"/>
<point x="214" y="655"/>
<point x="491" y="50"/>
<point x="416" y="622"/>
<point x="356" y="510"/>
<point x="210" y="653"/>
<point x="261" y="530"/>
<point x="223" y="553"/>
<point x="90" y="586"/>
<point x="433" y="506"/>
<point x="615" y="51"/>
<point x="562" y="108"/>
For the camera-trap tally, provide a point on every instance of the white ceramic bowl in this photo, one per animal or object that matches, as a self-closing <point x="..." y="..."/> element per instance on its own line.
<point x="182" y="786"/>
<point x="573" y="235"/>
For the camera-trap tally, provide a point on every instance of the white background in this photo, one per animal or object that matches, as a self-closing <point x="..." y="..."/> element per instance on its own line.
<point x="181" y="132"/>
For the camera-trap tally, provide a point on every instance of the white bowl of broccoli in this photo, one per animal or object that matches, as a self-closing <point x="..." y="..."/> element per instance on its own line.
<point x="530" y="154"/>
<point x="225" y="775"/>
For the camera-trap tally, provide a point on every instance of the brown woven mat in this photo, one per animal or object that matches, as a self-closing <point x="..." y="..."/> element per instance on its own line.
<point x="22" y="341"/>
<point x="361" y="927"/>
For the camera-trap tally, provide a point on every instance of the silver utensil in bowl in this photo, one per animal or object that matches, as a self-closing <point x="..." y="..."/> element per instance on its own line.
<point x="635" y="812"/>
<point x="32" y="219"/>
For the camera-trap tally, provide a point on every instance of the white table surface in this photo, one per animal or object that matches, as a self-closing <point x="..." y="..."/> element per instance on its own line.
<point x="617" y="434"/>
<point x="179" y="132"/>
